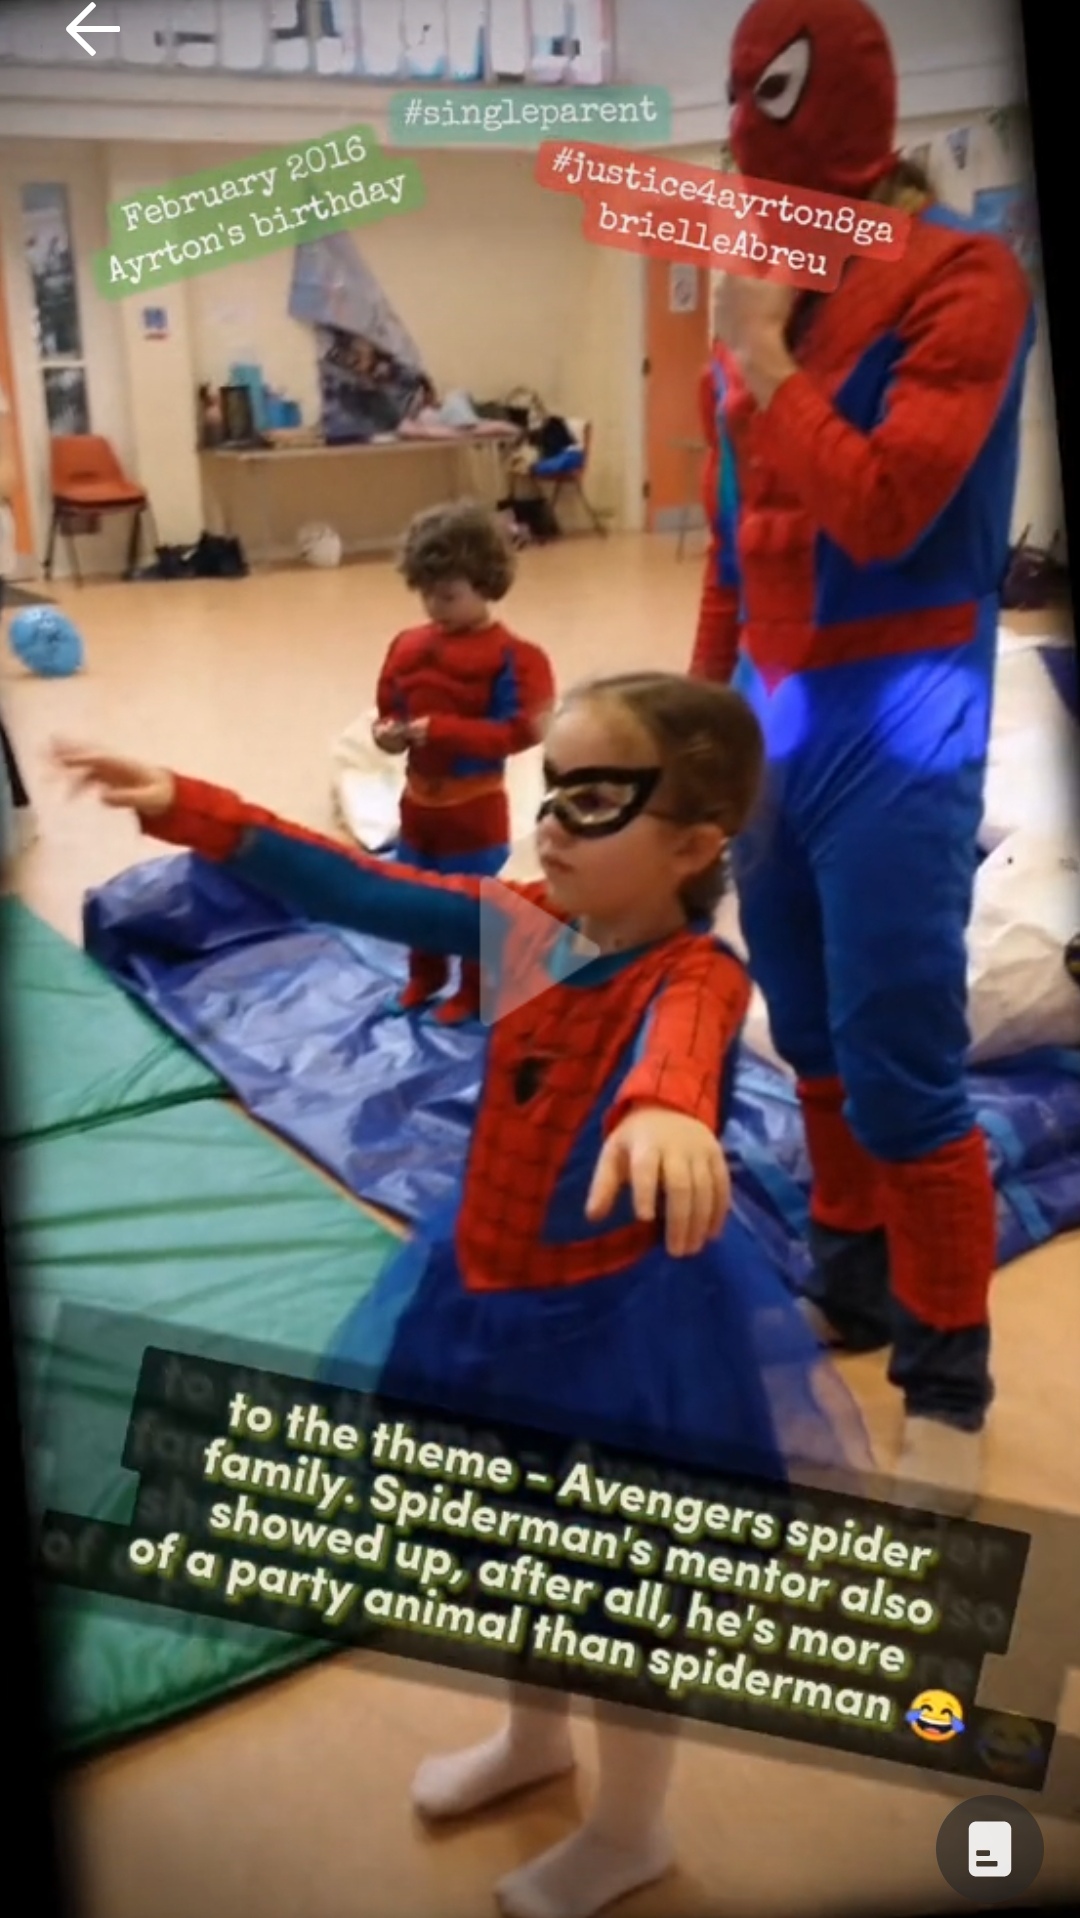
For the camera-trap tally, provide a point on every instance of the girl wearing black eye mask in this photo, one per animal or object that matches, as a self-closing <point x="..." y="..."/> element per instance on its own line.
<point x="592" y="1281"/>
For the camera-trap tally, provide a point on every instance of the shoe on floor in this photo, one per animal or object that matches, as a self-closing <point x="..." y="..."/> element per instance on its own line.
<point x="939" y="1467"/>
<point x="459" y="1010"/>
<point x="822" y="1329"/>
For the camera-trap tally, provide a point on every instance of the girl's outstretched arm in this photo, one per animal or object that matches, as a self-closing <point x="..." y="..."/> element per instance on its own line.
<point x="314" y="876"/>
<point x="661" y="1131"/>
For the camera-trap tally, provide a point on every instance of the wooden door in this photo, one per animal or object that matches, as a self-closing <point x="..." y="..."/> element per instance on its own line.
<point x="677" y="341"/>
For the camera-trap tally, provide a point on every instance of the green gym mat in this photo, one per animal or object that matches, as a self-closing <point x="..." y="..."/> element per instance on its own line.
<point x="77" y="1049"/>
<point x="208" y="1237"/>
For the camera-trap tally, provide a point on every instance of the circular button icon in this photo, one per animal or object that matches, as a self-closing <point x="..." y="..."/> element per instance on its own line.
<point x="990" y="1849"/>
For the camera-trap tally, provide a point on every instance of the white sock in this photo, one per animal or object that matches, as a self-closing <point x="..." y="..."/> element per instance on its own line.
<point x="940" y="1467"/>
<point x="623" y="1844"/>
<point x="534" y="1744"/>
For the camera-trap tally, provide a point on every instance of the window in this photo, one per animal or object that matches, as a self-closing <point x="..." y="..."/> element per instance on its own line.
<point x="463" y="42"/>
<point x="336" y="42"/>
<point x="554" y="39"/>
<point x="144" y="32"/>
<point x="508" y="40"/>
<point x="34" y="33"/>
<point x="290" y="35"/>
<point x="466" y="35"/>
<point x="590" y="59"/>
<point x="57" y="324"/>
<point x="381" y="53"/>
<point x="195" y="33"/>
<point x="424" y="26"/>
<point x="244" y="36"/>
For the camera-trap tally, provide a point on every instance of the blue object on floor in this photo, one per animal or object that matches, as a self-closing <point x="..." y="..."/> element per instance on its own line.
<point x="47" y="642"/>
<point x="297" y="1018"/>
<point x="294" y="1018"/>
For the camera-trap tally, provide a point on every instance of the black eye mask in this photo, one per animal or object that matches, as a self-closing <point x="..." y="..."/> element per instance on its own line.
<point x="594" y="802"/>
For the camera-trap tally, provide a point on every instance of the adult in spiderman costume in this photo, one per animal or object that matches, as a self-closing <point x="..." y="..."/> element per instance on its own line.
<point x="875" y="438"/>
<point x="589" y="1282"/>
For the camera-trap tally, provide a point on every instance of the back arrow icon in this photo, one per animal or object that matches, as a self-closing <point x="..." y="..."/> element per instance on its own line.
<point x="73" y="29"/>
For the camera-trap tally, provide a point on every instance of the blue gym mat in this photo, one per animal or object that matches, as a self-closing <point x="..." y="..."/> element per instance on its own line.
<point x="291" y="1015"/>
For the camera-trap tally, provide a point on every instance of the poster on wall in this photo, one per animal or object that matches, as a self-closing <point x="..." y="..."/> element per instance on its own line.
<point x="682" y="289"/>
<point x="371" y="376"/>
<point x="1011" y="212"/>
<point x="50" y="256"/>
<point x="67" y="406"/>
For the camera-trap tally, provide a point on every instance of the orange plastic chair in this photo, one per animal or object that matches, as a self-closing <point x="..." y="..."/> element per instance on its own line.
<point x="89" y="482"/>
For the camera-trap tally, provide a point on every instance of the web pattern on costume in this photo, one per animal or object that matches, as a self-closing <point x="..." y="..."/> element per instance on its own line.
<point x="563" y="1071"/>
<point x="660" y="1027"/>
<point x="484" y="693"/>
<point x="876" y="487"/>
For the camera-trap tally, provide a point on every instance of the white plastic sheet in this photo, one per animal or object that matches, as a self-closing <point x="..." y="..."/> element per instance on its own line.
<point x="1033" y="768"/>
<point x="368" y="783"/>
<point x="1027" y="893"/>
<point x="1027" y="909"/>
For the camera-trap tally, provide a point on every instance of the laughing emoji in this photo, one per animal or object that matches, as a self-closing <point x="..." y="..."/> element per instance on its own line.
<point x="1011" y="1748"/>
<point x="936" y="1716"/>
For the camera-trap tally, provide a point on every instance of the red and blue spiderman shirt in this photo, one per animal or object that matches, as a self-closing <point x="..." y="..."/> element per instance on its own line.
<point x="574" y="1046"/>
<point x="485" y="693"/>
<point x="868" y="506"/>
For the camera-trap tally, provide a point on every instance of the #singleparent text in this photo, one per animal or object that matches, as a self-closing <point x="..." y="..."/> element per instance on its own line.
<point x="448" y="116"/>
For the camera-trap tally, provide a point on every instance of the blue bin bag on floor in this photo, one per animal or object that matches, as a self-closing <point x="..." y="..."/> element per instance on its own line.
<point x="293" y="1017"/>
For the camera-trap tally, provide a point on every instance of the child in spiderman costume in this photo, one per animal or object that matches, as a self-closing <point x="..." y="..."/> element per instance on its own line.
<point x="875" y="436"/>
<point x="460" y="695"/>
<point x="592" y="1282"/>
<point x="716" y="642"/>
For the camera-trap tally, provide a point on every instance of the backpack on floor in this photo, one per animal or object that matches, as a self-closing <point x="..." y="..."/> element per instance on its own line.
<point x="535" y="515"/>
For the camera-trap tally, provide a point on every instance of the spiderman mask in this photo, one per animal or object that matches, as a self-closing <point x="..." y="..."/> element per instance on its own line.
<point x="813" y="94"/>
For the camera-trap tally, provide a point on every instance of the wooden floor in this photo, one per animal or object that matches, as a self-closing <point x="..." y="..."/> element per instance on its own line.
<point x="292" y="1801"/>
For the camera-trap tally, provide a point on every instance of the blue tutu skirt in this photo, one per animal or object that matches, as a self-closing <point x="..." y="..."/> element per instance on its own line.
<point x="702" y="1362"/>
